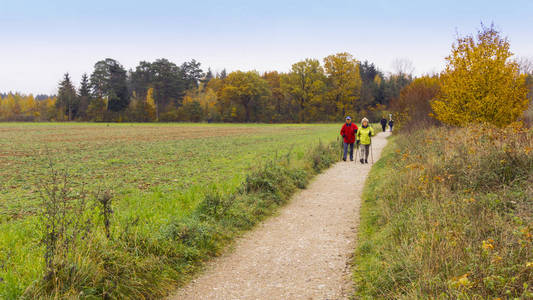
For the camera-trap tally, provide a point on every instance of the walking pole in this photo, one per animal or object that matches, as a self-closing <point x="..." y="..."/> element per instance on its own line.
<point x="371" y="152"/>
<point x="356" y="150"/>
<point x="341" y="148"/>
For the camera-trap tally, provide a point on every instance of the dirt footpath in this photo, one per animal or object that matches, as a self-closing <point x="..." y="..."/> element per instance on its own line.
<point x="301" y="253"/>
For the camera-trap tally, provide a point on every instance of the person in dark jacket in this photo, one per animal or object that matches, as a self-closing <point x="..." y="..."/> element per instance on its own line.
<point x="391" y="123"/>
<point x="383" y="124"/>
<point x="348" y="132"/>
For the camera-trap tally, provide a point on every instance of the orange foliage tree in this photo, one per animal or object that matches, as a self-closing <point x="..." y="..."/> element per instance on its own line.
<point x="413" y="106"/>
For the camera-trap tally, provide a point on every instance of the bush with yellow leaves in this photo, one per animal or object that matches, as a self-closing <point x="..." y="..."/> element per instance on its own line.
<point x="481" y="84"/>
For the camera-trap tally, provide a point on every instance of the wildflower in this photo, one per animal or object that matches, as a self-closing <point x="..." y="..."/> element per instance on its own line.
<point x="487" y="244"/>
<point x="461" y="281"/>
<point x="526" y="233"/>
<point x="470" y="200"/>
<point x="464" y="281"/>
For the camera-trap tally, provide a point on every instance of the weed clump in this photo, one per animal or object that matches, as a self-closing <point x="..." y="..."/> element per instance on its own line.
<point x="64" y="223"/>
<point x="322" y="156"/>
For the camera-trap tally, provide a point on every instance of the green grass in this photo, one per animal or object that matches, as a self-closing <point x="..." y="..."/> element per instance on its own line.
<point x="370" y="235"/>
<point x="447" y="214"/>
<point x="159" y="174"/>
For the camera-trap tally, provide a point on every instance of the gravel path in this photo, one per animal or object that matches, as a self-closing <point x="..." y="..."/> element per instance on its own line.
<point x="301" y="253"/>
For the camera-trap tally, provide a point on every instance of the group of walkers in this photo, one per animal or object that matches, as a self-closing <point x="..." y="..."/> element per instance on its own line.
<point x="362" y="137"/>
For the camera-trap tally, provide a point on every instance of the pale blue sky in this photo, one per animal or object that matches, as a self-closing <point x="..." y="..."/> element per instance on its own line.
<point x="41" y="40"/>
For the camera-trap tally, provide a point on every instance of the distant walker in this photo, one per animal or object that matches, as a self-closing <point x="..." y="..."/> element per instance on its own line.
<point x="383" y="124"/>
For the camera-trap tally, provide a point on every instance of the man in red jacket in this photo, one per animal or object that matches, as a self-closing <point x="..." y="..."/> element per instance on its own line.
<point x="348" y="132"/>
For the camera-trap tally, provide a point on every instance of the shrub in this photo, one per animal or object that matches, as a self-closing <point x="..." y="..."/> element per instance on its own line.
<point x="413" y="107"/>
<point x="322" y="156"/>
<point x="480" y="82"/>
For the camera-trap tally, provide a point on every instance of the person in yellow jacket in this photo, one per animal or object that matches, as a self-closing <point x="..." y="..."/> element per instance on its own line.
<point x="364" y="137"/>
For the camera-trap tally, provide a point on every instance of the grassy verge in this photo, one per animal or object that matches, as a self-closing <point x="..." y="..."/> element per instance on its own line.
<point x="135" y="263"/>
<point x="447" y="213"/>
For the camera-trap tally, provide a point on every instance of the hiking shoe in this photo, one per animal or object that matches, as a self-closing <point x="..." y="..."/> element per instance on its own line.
<point x="351" y="159"/>
<point x="344" y="159"/>
<point x="362" y="161"/>
<point x="366" y="161"/>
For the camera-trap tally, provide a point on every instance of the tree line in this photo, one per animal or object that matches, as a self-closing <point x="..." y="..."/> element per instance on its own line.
<point x="312" y="91"/>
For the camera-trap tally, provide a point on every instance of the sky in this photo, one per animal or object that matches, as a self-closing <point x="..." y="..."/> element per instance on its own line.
<point x="42" y="40"/>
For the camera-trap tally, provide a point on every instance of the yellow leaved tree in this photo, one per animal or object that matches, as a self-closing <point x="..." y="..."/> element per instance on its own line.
<point x="481" y="83"/>
<point x="343" y="73"/>
<point x="150" y="98"/>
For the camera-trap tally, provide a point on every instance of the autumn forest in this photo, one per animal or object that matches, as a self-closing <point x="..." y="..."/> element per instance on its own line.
<point x="313" y="91"/>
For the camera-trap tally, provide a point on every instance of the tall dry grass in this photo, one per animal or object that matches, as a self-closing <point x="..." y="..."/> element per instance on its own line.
<point x="448" y="213"/>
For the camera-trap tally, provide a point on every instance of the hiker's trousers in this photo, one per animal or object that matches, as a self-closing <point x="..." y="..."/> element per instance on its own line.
<point x="345" y="146"/>
<point x="365" y="150"/>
